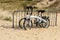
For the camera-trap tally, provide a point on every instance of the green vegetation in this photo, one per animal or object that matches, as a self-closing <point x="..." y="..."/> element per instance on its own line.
<point x="14" y="5"/>
<point x="29" y="0"/>
<point x="8" y="19"/>
<point x="20" y="4"/>
<point x="7" y="1"/>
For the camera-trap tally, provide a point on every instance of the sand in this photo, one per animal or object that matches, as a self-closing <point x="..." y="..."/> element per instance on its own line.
<point x="51" y="33"/>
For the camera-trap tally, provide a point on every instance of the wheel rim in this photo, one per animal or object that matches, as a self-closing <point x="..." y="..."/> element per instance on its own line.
<point x="21" y="22"/>
<point x="46" y="24"/>
<point x="28" y="25"/>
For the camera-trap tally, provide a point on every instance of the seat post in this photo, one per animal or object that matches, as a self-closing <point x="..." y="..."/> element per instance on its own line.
<point x="41" y="14"/>
<point x="31" y="10"/>
<point x="40" y="11"/>
<point x="27" y="11"/>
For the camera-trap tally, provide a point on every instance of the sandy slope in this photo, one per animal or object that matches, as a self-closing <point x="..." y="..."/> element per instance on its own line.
<point x="51" y="33"/>
<point x="45" y="3"/>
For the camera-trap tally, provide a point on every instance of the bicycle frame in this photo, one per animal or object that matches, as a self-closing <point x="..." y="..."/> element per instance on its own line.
<point x="41" y="20"/>
<point x="35" y="17"/>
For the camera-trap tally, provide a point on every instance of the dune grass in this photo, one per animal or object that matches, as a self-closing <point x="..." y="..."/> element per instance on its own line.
<point x="7" y="19"/>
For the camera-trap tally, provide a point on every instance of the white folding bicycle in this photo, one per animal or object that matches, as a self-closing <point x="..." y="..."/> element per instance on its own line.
<point x="42" y="21"/>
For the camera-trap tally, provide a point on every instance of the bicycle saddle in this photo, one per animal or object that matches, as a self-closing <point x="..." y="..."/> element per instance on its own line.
<point x="27" y="7"/>
<point x="42" y="11"/>
<point x="45" y="17"/>
<point x="30" y="7"/>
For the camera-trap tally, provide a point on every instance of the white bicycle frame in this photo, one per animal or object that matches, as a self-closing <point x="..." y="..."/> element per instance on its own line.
<point x="38" y="17"/>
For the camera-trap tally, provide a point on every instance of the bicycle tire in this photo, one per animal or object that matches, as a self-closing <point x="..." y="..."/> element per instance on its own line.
<point x="21" y="26"/>
<point x="46" y="25"/>
<point x="29" y="26"/>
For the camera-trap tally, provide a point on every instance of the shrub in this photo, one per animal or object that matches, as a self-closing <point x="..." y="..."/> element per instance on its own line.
<point x="29" y="0"/>
<point x="8" y="19"/>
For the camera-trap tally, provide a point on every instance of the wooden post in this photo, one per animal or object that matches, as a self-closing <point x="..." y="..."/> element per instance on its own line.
<point x="13" y="20"/>
<point x="56" y="20"/>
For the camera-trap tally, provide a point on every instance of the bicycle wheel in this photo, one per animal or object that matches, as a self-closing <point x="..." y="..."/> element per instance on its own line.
<point x="46" y="24"/>
<point x="36" y="21"/>
<point x="27" y="24"/>
<point x="24" y="23"/>
<point x="21" y="21"/>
